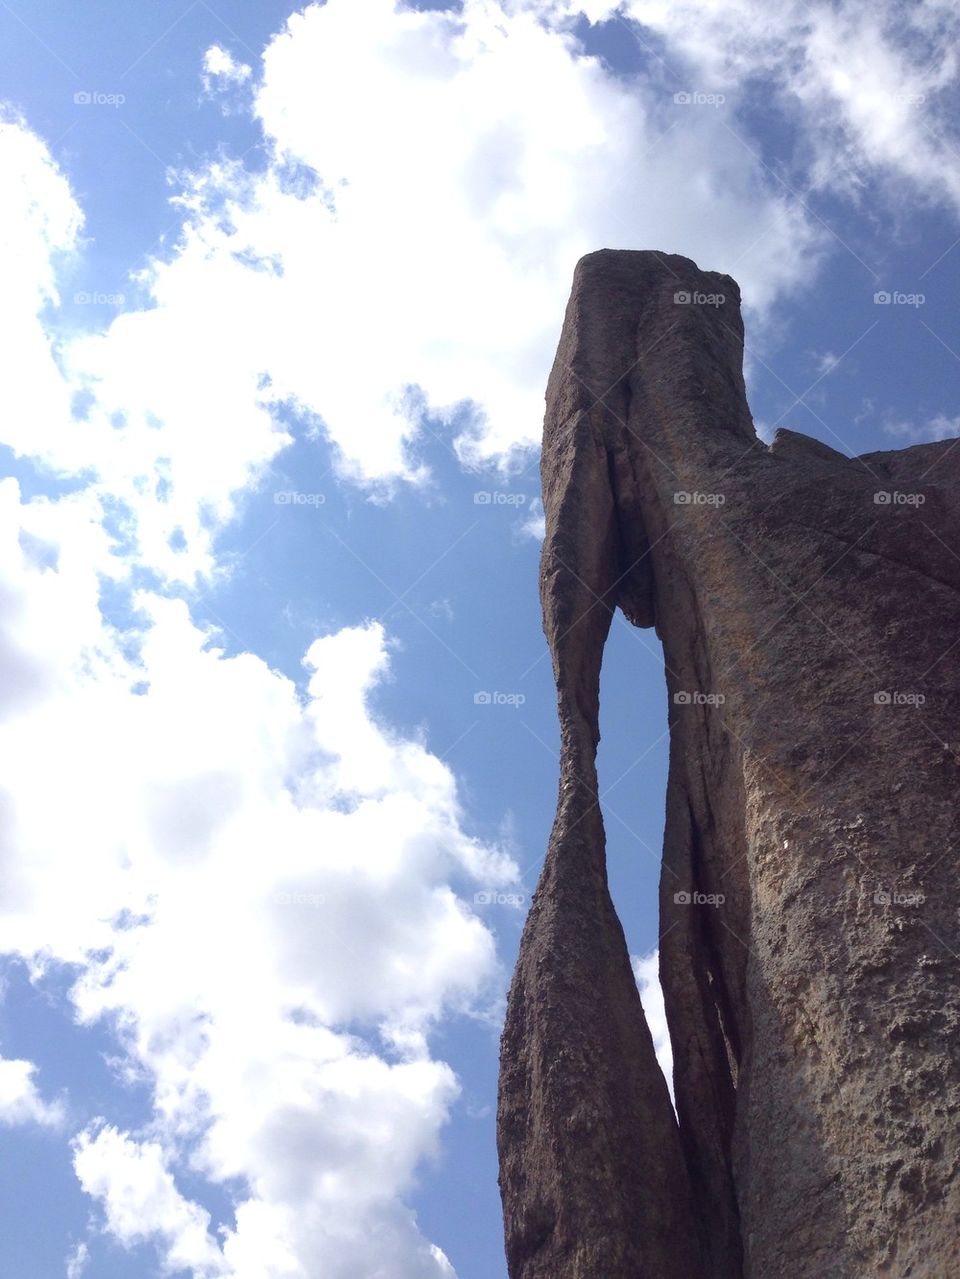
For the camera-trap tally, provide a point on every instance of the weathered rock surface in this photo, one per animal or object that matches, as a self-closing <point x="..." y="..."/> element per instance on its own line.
<point x="809" y="609"/>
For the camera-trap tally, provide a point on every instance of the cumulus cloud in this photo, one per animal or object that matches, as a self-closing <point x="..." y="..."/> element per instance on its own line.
<point x="239" y="872"/>
<point x="41" y="222"/>
<point x="431" y="179"/>
<point x="261" y="887"/>
<point x="162" y="454"/>
<point x="40" y="226"/>
<point x="20" y="1099"/>
<point x="504" y="155"/>
<point x="141" y="1201"/>
<point x="870" y="87"/>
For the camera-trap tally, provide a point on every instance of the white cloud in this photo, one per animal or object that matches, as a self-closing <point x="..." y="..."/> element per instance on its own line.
<point x="504" y="151"/>
<point x="938" y="427"/>
<point x="459" y="211"/>
<point x="220" y="65"/>
<point x="432" y="178"/>
<point x="535" y="525"/>
<point x="226" y="80"/>
<point x="240" y="871"/>
<point x="40" y="225"/>
<point x="154" y="368"/>
<point x="141" y="1201"/>
<point x="20" y="1100"/>
<point x="422" y="235"/>
<point x="77" y="1260"/>
<point x="41" y="220"/>
<point x="646" y="969"/>
<point x="870" y="86"/>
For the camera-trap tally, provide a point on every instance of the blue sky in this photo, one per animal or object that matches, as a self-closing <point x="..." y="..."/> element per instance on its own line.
<point x="282" y="289"/>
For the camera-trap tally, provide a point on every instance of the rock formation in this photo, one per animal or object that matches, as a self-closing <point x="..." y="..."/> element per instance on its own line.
<point x="809" y="609"/>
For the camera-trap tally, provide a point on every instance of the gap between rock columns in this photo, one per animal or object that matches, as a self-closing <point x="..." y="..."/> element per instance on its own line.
<point x="810" y="1018"/>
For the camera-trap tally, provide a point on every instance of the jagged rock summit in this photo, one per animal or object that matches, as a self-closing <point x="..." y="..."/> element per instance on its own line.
<point x="809" y="609"/>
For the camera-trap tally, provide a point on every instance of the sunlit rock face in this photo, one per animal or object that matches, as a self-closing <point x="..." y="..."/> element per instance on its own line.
<point x="808" y="607"/>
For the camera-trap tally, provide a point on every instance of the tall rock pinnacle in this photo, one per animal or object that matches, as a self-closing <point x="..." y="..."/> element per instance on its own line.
<point x="809" y="609"/>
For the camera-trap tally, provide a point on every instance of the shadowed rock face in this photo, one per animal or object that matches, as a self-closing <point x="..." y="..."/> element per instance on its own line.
<point x="809" y="609"/>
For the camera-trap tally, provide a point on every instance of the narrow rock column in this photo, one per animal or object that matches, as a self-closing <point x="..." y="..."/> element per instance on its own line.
<point x="809" y="608"/>
<point x="592" y="1175"/>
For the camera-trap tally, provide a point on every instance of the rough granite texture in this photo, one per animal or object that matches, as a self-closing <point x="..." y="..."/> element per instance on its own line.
<point x="815" y="1011"/>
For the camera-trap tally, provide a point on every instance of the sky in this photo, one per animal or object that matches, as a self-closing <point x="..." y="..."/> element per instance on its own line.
<point x="281" y="289"/>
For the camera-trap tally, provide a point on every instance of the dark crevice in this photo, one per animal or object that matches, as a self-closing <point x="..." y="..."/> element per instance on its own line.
<point x="709" y="950"/>
<point x="723" y="1035"/>
<point x="634" y="569"/>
